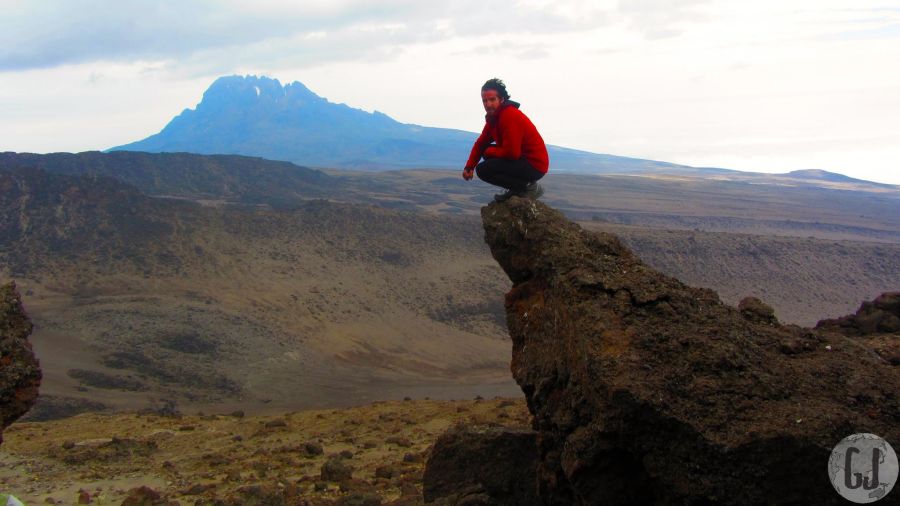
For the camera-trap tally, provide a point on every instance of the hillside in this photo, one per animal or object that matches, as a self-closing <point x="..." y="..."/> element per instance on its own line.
<point x="804" y="279"/>
<point x="147" y="302"/>
<point x="212" y="179"/>
<point x="747" y="203"/>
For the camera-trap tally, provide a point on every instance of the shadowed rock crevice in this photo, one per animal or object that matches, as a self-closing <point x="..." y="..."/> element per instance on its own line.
<point x="645" y="390"/>
<point x="20" y="373"/>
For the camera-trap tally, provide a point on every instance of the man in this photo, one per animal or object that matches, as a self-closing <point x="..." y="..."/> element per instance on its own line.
<point x="514" y="153"/>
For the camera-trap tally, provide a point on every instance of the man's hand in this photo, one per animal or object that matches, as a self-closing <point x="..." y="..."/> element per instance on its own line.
<point x="468" y="173"/>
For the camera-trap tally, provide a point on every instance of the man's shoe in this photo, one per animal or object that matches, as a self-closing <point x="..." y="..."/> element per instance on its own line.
<point x="503" y="197"/>
<point x="533" y="191"/>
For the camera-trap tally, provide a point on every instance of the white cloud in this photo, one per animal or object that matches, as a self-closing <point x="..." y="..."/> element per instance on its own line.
<point x="58" y="32"/>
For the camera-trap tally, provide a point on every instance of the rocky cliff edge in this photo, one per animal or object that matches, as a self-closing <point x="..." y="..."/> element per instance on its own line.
<point x="648" y="391"/>
<point x="20" y="374"/>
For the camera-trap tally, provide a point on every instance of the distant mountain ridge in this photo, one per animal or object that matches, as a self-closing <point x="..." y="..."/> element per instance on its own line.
<point x="258" y="116"/>
<point x="230" y="178"/>
<point x="824" y="175"/>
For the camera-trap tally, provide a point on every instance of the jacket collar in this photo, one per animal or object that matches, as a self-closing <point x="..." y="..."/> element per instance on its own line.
<point x="506" y="103"/>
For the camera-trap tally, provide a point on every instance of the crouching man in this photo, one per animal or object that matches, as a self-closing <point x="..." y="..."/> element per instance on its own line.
<point x="514" y="153"/>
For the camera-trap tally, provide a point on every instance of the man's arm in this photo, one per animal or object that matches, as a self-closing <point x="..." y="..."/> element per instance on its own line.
<point x="483" y="141"/>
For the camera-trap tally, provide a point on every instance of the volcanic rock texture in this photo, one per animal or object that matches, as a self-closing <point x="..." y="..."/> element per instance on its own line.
<point x="482" y="465"/>
<point x="20" y="374"/>
<point x="648" y="391"/>
<point x="876" y="325"/>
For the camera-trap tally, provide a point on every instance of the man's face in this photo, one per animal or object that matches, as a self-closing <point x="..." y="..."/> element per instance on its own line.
<point x="491" y="100"/>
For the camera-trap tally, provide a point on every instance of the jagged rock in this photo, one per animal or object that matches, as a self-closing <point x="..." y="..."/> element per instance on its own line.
<point x="336" y="469"/>
<point x="756" y="310"/>
<point x="311" y="449"/>
<point x="478" y="465"/>
<point x="144" y="496"/>
<point x="20" y="373"/>
<point x="880" y="316"/>
<point x="400" y="441"/>
<point x="875" y="326"/>
<point x="647" y="391"/>
<point x="386" y="472"/>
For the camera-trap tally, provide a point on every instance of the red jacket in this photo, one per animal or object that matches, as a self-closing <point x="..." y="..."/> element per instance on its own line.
<point x="515" y="137"/>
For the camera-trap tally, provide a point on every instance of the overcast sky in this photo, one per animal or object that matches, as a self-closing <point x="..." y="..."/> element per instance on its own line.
<point x="764" y="85"/>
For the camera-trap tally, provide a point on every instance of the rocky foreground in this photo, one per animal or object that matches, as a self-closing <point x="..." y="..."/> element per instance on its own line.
<point x="368" y="455"/>
<point x="648" y="391"/>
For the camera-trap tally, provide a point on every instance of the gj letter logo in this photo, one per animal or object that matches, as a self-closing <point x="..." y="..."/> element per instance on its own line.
<point x="863" y="468"/>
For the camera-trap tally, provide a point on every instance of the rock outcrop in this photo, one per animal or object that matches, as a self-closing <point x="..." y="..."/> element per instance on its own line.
<point x="648" y="391"/>
<point x="880" y="316"/>
<point x="20" y="373"/>
<point x="875" y="326"/>
<point x="482" y="465"/>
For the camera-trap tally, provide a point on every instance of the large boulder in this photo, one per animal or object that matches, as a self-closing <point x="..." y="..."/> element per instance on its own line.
<point x="482" y="466"/>
<point x="20" y="373"/>
<point x="648" y="391"/>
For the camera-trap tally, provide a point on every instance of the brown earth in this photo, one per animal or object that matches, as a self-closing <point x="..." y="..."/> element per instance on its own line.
<point x="198" y="459"/>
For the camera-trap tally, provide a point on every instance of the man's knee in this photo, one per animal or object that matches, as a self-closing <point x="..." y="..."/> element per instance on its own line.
<point x="483" y="170"/>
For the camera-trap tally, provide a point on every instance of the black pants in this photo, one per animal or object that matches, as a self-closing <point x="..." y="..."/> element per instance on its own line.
<point x="506" y="173"/>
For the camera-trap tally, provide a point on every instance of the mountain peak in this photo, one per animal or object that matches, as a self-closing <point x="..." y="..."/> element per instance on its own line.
<point x="258" y="116"/>
<point x="247" y="91"/>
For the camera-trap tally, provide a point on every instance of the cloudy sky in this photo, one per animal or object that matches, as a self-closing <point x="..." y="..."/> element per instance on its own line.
<point x="768" y="85"/>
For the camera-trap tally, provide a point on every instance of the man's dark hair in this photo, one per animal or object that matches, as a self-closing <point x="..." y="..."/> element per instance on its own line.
<point x="496" y="85"/>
